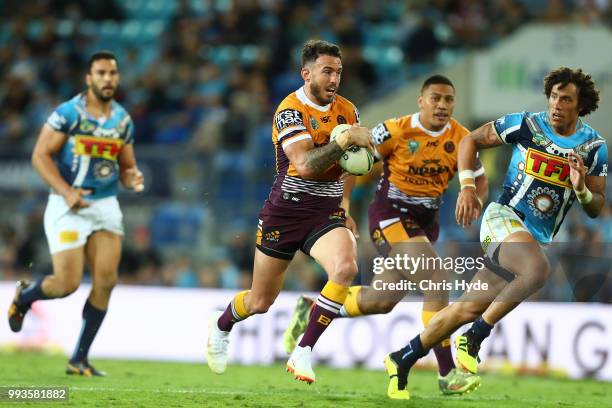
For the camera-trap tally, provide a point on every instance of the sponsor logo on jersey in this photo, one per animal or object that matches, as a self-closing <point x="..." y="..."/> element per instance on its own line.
<point x="99" y="147"/>
<point x="547" y="167"/>
<point x="380" y="134"/>
<point x="429" y="168"/>
<point x="326" y="119"/>
<point x="432" y="143"/>
<point x="288" y="117"/>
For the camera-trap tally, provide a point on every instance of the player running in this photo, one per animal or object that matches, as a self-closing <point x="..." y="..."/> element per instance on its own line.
<point x="556" y="160"/>
<point x="419" y="154"/>
<point x="303" y="210"/>
<point x="84" y="149"/>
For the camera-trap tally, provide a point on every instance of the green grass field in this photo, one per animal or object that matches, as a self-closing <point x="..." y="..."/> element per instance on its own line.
<point x="151" y="384"/>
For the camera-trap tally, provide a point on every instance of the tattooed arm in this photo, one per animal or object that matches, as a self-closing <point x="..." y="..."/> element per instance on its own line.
<point x="311" y="161"/>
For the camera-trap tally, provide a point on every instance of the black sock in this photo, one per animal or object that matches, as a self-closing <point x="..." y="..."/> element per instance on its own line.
<point x="407" y="356"/>
<point x="92" y="320"/>
<point x="480" y="330"/>
<point x="31" y="294"/>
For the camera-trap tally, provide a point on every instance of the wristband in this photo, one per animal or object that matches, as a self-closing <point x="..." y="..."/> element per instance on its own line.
<point x="584" y="196"/>
<point x="466" y="174"/>
<point x="467" y="178"/>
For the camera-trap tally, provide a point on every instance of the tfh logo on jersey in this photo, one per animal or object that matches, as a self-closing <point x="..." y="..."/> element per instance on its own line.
<point x="98" y="147"/>
<point x="287" y="118"/>
<point x="547" y="167"/>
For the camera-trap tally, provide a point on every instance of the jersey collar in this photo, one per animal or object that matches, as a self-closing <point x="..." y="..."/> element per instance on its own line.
<point x="415" y="122"/>
<point x="304" y="99"/>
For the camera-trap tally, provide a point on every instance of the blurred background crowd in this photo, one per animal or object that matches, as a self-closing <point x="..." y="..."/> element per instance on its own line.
<point x="201" y="80"/>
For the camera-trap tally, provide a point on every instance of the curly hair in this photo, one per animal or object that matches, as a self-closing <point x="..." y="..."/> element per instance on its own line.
<point x="588" y="95"/>
<point x="313" y="48"/>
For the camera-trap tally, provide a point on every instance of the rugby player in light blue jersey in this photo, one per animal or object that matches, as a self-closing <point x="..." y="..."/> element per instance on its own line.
<point x="556" y="159"/>
<point x="83" y="150"/>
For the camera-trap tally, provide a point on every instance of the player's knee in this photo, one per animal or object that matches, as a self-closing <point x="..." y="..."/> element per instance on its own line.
<point x="107" y="282"/>
<point x="259" y="306"/>
<point x="68" y="286"/>
<point x="467" y="312"/>
<point x="539" y="273"/>
<point x="345" y="271"/>
<point x="385" y="306"/>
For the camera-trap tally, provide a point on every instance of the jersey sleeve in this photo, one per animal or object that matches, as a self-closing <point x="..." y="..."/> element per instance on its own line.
<point x="129" y="131"/>
<point x="290" y="128"/>
<point x="508" y="127"/>
<point x="357" y="118"/>
<point x="383" y="136"/>
<point x="600" y="162"/>
<point x="63" y="118"/>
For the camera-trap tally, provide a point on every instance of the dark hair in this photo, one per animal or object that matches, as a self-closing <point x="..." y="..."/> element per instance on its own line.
<point x="99" y="55"/>
<point x="435" y="80"/>
<point x="588" y="95"/>
<point x="313" y="48"/>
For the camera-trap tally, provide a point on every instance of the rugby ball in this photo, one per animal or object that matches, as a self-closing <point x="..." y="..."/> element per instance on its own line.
<point x="355" y="160"/>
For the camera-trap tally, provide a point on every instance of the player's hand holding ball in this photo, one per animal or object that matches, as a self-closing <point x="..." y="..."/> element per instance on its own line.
<point x="357" y="158"/>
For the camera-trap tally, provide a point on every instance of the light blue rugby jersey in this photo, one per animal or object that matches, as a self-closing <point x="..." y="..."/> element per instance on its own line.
<point x="537" y="184"/>
<point x="88" y="159"/>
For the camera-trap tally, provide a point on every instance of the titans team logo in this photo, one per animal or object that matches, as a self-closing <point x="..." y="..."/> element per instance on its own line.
<point x="544" y="202"/>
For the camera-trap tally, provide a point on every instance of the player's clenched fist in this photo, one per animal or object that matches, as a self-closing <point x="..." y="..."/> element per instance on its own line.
<point x="133" y="178"/>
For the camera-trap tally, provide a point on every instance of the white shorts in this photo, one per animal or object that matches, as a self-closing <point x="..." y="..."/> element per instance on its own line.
<point x="498" y="222"/>
<point x="67" y="229"/>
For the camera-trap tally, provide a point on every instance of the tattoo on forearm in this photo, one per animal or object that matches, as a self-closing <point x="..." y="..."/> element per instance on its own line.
<point x="321" y="158"/>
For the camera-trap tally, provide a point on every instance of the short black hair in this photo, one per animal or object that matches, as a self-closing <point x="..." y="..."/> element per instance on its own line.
<point x="313" y="48"/>
<point x="99" y="55"/>
<point x="588" y="95"/>
<point x="437" y="80"/>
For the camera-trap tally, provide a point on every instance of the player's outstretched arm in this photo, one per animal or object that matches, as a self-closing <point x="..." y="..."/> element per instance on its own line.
<point x="590" y="190"/>
<point x="310" y="161"/>
<point x="474" y="190"/>
<point x="129" y="174"/>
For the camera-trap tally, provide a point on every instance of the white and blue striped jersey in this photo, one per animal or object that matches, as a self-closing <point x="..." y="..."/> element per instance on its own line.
<point x="537" y="184"/>
<point x="88" y="159"/>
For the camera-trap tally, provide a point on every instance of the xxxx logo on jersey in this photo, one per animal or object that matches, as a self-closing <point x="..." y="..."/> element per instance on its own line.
<point x="549" y="168"/>
<point x="101" y="147"/>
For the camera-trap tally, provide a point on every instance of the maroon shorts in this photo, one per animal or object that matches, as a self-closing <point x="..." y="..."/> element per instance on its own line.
<point x="392" y="222"/>
<point x="282" y="231"/>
